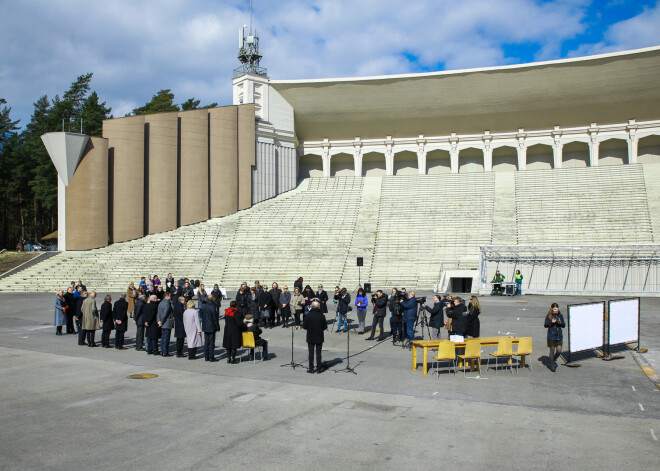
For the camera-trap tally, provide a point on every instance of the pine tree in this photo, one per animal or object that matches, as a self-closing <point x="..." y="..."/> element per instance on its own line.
<point x="160" y="102"/>
<point x="93" y="113"/>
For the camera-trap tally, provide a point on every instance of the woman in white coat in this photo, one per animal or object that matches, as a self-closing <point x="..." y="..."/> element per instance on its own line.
<point x="193" y="327"/>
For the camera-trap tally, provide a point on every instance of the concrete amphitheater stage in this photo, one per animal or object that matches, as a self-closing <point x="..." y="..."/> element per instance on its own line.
<point x="63" y="406"/>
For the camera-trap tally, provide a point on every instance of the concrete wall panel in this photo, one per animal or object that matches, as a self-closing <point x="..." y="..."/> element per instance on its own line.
<point x="194" y="166"/>
<point x="87" y="199"/>
<point x="246" y="154"/>
<point x="162" y="171"/>
<point x="224" y="155"/>
<point x="126" y="136"/>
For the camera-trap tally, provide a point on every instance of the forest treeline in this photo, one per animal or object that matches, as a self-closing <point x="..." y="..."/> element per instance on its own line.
<point x="28" y="179"/>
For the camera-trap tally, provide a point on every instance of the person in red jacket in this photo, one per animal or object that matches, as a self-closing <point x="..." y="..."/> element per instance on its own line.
<point x="234" y="327"/>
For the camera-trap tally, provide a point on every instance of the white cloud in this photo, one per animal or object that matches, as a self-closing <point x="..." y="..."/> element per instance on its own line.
<point x="137" y="48"/>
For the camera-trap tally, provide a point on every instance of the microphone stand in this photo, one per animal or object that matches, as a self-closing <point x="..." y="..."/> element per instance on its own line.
<point x="348" y="368"/>
<point x="292" y="363"/>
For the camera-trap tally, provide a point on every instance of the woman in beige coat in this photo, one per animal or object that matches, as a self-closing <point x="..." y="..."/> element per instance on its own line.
<point x="131" y="299"/>
<point x="90" y="321"/>
<point x="297" y="305"/>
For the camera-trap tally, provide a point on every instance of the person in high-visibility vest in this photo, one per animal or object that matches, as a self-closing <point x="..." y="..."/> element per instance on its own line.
<point x="498" y="279"/>
<point x="518" y="279"/>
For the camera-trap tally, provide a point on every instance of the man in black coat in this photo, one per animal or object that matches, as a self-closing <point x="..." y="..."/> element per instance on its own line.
<point x="379" y="315"/>
<point x="107" y="321"/>
<point x="120" y="316"/>
<point x="315" y="324"/>
<point x="437" y="319"/>
<point x="459" y="315"/>
<point x="81" y="332"/>
<point x="150" y="318"/>
<point x="210" y="325"/>
<point x="70" y="304"/>
<point x="275" y="306"/>
<point x="138" y="320"/>
<point x="264" y="306"/>
<point x="241" y="298"/>
<point x="179" y="330"/>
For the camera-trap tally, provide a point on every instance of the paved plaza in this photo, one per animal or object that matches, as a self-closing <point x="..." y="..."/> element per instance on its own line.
<point x="66" y="407"/>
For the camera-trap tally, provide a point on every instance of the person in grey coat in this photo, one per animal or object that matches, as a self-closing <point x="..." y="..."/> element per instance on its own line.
<point x="166" y="323"/>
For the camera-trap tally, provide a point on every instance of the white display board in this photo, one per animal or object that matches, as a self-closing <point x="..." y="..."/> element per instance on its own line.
<point x="586" y="326"/>
<point x="624" y="321"/>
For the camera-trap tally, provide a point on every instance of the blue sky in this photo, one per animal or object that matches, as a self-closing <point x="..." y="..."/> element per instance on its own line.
<point x="137" y="47"/>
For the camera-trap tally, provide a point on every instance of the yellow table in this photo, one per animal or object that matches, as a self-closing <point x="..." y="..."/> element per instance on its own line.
<point x="434" y="344"/>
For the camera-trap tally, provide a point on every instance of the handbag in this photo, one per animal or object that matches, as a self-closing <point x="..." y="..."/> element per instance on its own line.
<point x="448" y="324"/>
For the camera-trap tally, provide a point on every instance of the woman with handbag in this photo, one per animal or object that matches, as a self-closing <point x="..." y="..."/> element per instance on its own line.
<point x="297" y="306"/>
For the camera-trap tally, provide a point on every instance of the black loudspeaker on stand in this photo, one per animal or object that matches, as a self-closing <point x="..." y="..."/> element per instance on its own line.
<point x="292" y="363"/>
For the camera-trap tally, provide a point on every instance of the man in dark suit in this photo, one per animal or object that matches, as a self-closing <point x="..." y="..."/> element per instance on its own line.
<point x="120" y="316"/>
<point x="210" y="325"/>
<point x="379" y="316"/>
<point x="81" y="332"/>
<point x="138" y="320"/>
<point x="315" y="324"/>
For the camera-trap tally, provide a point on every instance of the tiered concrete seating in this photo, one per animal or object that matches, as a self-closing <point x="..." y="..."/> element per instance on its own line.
<point x="425" y="220"/>
<point x="405" y="227"/>
<point x="601" y="205"/>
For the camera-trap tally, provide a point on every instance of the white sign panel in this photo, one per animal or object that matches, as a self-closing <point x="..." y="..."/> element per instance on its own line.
<point x="585" y="326"/>
<point x="624" y="321"/>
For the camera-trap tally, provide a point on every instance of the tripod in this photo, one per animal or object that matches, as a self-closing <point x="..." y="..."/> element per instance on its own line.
<point x="423" y="320"/>
<point x="292" y="363"/>
<point x="348" y="368"/>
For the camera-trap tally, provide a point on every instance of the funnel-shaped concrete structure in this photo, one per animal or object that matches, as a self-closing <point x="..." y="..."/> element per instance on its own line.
<point x="65" y="150"/>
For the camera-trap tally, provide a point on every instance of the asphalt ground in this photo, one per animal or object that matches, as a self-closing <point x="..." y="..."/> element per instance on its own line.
<point x="63" y="406"/>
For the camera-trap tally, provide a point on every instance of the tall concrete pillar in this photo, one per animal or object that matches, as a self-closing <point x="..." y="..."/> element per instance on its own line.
<point x="522" y="149"/>
<point x="557" y="147"/>
<point x="357" y="157"/>
<point x="593" y="145"/>
<point x="421" y="155"/>
<point x="326" y="161"/>
<point x="453" y="153"/>
<point x="488" y="152"/>
<point x="633" y="141"/>
<point x="389" y="156"/>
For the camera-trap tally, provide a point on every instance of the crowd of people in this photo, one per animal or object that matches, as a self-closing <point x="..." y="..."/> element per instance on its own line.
<point x="161" y="310"/>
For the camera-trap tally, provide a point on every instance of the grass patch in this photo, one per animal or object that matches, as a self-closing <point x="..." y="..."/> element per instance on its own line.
<point x="9" y="260"/>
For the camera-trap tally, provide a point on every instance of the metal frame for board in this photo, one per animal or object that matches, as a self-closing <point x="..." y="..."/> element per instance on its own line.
<point x="639" y="309"/>
<point x="568" y="326"/>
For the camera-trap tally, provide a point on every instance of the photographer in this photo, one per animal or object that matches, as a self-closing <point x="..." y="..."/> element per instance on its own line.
<point x="459" y="315"/>
<point x="437" y="319"/>
<point x="396" y="320"/>
<point x="342" y="310"/>
<point x="409" y="307"/>
<point x="380" y="302"/>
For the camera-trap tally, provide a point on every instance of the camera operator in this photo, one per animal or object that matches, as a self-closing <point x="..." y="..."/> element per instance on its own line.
<point x="437" y="319"/>
<point x="380" y="302"/>
<point x="460" y="318"/>
<point x="342" y="310"/>
<point x="396" y="325"/>
<point x="409" y="307"/>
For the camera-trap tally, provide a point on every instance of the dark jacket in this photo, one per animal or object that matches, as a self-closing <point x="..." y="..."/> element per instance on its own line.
<point x="309" y="294"/>
<point x="315" y="323"/>
<point x="217" y="298"/>
<point x="253" y="304"/>
<point x="275" y="296"/>
<point x="242" y="299"/>
<point x="409" y="307"/>
<point x="120" y="313"/>
<point x="177" y="312"/>
<point x="299" y="285"/>
<point x="150" y="317"/>
<point x="234" y="327"/>
<point x="106" y="316"/>
<point x="265" y="301"/>
<point x="554" y="330"/>
<point x="138" y="315"/>
<point x="70" y="303"/>
<point x="79" y="303"/>
<point x="256" y="331"/>
<point x="437" y="319"/>
<point x="381" y="306"/>
<point x="165" y="314"/>
<point x="322" y="296"/>
<point x="474" y="325"/>
<point x="459" y="314"/>
<point x="344" y="303"/>
<point x="209" y="317"/>
<point x="395" y="309"/>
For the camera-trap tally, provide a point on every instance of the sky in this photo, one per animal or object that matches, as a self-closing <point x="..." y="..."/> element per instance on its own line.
<point x="135" y="48"/>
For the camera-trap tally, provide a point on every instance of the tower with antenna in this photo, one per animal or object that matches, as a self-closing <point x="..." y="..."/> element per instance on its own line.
<point x="248" y="51"/>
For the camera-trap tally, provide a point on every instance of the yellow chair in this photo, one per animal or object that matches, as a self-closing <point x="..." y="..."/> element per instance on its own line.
<point x="504" y="350"/>
<point x="248" y="342"/>
<point x="446" y="352"/>
<point x="524" y="350"/>
<point x="472" y="352"/>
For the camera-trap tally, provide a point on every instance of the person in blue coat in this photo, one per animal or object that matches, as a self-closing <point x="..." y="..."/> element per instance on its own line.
<point x="554" y="322"/>
<point x="59" y="318"/>
<point x="361" y="303"/>
<point x="409" y="307"/>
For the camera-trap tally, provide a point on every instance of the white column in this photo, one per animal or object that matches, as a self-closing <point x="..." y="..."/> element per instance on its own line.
<point x="421" y="155"/>
<point x="488" y="151"/>
<point x="593" y="145"/>
<point x="522" y="149"/>
<point x="61" y="215"/>
<point x="557" y="147"/>
<point x="632" y="141"/>
<point x="326" y="162"/>
<point x="453" y="153"/>
<point x="389" y="156"/>
<point x="357" y="157"/>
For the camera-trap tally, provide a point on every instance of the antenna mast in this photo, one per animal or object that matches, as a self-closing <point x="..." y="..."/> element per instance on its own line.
<point x="248" y="51"/>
